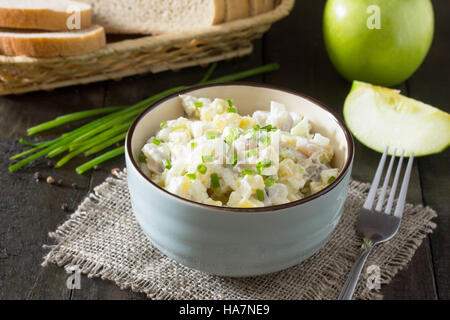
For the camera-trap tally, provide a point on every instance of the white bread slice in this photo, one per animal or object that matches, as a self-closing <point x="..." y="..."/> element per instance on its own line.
<point x="261" y="6"/>
<point x="14" y="42"/>
<point x="43" y="14"/>
<point x="156" y="16"/>
<point x="237" y="9"/>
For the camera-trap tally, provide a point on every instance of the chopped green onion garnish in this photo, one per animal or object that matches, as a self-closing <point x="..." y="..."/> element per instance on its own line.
<point x="265" y="139"/>
<point x="235" y="159"/>
<point x="260" y="194"/>
<point x="207" y="159"/>
<point x="256" y="127"/>
<point x="230" y="102"/>
<point x="210" y="135"/>
<point x="215" y="180"/>
<point x="231" y="110"/>
<point x="332" y="178"/>
<point x="156" y="141"/>
<point x="269" y="181"/>
<point x="252" y="153"/>
<point x="247" y="172"/>
<point x="198" y="104"/>
<point x="234" y="134"/>
<point x="269" y="127"/>
<point x="191" y="176"/>
<point x="202" y="168"/>
<point x="167" y="164"/>
<point x="142" y="158"/>
<point x="163" y="125"/>
<point x="259" y="167"/>
<point x="193" y="145"/>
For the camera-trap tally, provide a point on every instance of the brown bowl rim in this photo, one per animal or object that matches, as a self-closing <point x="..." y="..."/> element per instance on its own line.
<point x="340" y="122"/>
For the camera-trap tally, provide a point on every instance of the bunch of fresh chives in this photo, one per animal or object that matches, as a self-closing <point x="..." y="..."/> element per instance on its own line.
<point x="111" y="128"/>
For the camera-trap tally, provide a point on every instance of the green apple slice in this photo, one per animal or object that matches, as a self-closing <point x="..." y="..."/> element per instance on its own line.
<point x="380" y="117"/>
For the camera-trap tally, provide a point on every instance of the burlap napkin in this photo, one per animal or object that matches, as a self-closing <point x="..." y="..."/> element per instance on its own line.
<point x="103" y="239"/>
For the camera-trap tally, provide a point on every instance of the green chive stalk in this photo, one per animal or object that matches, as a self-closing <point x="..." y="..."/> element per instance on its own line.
<point x="102" y="138"/>
<point x="69" y="118"/>
<point x="106" y="144"/>
<point x="96" y="161"/>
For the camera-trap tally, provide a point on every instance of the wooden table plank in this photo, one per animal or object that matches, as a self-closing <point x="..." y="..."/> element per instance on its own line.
<point x="435" y="181"/>
<point x="431" y="85"/>
<point x="306" y="68"/>
<point x="95" y="288"/>
<point x="29" y="210"/>
<point x="19" y="112"/>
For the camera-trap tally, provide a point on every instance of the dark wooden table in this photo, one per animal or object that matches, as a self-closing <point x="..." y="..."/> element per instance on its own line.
<point x="29" y="210"/>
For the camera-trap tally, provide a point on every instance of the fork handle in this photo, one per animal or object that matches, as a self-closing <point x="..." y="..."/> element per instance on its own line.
<point x="350" y="284"/>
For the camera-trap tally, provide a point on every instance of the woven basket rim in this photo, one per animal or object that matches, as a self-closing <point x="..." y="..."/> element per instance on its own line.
<point x="117" y="76"/>
<point x="283" y="9"/>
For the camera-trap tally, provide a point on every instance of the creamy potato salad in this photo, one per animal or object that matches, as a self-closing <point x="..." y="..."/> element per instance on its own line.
<point x="216" y="156"/>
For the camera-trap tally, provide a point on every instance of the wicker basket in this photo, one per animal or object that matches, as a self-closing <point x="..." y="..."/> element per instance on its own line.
<point x="146" y="54"/>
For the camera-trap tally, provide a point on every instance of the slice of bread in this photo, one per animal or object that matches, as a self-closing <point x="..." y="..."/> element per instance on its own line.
<point x="14" y="42"/>
<point x="237" y="9"/>
<point x="261" y="6"/>
<point x="163" y="16"/>
<point x="156" y="16"/>
<point x="55" y="15"/>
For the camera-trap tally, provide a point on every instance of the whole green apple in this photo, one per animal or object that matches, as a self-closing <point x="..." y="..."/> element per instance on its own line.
<point x="378" y="41"/>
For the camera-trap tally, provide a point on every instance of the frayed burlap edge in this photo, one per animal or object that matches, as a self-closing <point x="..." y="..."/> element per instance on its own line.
<point x="61" y="255"/>
<point x="64" y="257"/>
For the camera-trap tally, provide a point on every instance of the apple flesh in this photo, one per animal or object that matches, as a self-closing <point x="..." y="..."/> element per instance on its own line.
<point x="378" y="41"/>
<point x="380" y="117"/>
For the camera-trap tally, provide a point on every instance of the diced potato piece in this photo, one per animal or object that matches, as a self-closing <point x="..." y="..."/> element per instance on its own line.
<point x="155" y="155"/>
<point x="279" y="117"/>
<point x="247" y="123"/>
<point x="278" y="193"/>
<point x="316" y="186"/>
<point x="261" y="117"/>
<point x="321" y="140"/>
<point x="302" y="128"/>
<point x="329" y="175"/>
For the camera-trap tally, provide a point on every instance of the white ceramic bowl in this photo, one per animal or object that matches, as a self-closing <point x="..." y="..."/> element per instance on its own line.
<point x="235" y="241"/>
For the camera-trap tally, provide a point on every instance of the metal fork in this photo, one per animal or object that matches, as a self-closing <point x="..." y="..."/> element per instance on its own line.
<point x="375" y="225"/>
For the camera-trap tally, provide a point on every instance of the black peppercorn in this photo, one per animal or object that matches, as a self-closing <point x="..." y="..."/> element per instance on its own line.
<point x="65" y="207"/>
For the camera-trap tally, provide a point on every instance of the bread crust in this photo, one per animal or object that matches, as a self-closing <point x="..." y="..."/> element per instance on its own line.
<point x="48" y="45"/>
<point x="237" y="9"/>
<point x="219" y="16"/>
<point x="260" y="6"/>
<point x="41" y="19"/>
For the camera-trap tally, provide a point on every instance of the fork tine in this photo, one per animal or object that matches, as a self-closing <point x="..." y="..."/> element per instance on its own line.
<point x="402" y="197"/>
<point x="394" y="185"/>
<point x="379" y="206"/>
<point x="376" y="180"/>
